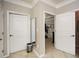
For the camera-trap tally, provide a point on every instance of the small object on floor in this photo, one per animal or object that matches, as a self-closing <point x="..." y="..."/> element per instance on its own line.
<point x="33" y="43"/>
<point x="29" y="47"/>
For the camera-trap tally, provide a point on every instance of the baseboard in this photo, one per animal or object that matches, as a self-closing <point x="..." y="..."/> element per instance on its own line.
<point x="5" y="56"/>
<point x="64" y="51"/>
<point x="40" y="56"/>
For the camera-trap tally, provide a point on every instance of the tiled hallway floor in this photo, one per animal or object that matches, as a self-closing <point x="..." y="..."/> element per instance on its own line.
<point x="51" y="52"/>
<point x="23" y="54"/>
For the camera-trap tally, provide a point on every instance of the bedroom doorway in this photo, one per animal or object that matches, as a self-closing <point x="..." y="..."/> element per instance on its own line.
<point x="49" y="32"/>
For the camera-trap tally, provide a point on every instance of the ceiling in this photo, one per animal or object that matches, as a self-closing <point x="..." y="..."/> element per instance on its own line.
<point x="56" y="1"/>
<point x="48" y="15"/>
<point x="28" y="1"/>
<point x="53" y="1"/>
<point x="31" y="3"/>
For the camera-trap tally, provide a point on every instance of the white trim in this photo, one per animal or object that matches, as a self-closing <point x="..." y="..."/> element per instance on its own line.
<point x="75" y="10"/>
<point x="15" y="12"/>
<point x="5" y="56"/>
<point x="8" y="12"/>
<point x="22" y="3"/>
<point x="44" y="24"/>
<point x="49" y="12"/>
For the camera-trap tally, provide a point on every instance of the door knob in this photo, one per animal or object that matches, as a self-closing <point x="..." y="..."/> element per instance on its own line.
<point x="0" y="38"/>
<point x="10" y="35"/>
<point x="72" y="35"/>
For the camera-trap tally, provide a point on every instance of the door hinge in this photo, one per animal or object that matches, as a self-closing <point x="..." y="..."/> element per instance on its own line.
<point x="2" y="51"/>
<point x="2" y="33"/>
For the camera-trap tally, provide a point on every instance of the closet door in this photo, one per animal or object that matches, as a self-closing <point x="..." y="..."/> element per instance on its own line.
<point x="65" y="32"/>
<point x="19" y="32"/>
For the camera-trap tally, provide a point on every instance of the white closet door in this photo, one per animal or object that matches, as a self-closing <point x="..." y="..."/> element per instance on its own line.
<point x="65" y="32"/>
<point x="19" y="32"/>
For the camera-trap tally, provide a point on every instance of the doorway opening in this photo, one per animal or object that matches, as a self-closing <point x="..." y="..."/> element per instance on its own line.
<point x="18" y="30"/>
<point x="49" y="32"/>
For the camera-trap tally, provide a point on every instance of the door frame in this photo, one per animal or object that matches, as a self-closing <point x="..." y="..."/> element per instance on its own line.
<point x="74" y="10"/>
<point x="8" y="39"/>
<point x="44" y="26"/>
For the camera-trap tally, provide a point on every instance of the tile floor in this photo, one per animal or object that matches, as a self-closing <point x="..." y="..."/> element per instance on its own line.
<point x="51" y="52"/>
<point x="23" y="54"/>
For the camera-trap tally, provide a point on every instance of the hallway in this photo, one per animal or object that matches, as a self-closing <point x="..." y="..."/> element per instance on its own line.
<point x="52" y="52"/>
<point x="23" y="54"/>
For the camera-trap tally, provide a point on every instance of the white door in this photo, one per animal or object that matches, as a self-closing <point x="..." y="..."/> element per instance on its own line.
<point x="65" y="32"/>
<point x="19" y="32"/>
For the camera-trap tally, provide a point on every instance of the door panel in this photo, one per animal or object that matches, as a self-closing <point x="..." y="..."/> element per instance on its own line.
<point x="77" y="31"/>
<point x="18" y="32"/>
<point x="65" y="32"/>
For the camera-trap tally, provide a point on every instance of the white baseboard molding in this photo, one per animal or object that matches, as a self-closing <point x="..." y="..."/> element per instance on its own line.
<point x="64" y="51"/>
<point x="40" y="56"/>
<point x="5" y="56"/>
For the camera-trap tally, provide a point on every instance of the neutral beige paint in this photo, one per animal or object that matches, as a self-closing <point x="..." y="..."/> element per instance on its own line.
<point x="69" y="7"/>
<point x="38" y="12"/>
<point x="14" y="7"/>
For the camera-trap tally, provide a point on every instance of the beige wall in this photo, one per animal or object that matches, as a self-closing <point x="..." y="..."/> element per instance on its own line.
<point x="11" y="7"/>
<point x="14" y="7"/>
<point x="69" y="7"/>
<point x="1" y="21"/>
<point x="38" y="12"/>
<point x="1" y="29"/>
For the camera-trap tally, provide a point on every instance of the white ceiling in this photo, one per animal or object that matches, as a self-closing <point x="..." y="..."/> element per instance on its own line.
<point x="28" y="1"/>
<point x="53" y="1"/>
<point x="56" y="1"/>
<point x="31" y="3"/>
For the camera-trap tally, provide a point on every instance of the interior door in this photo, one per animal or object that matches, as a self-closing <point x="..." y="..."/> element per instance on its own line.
<point x="77" y="31"/>
<point x="18" y="32"/>
<point x="65" y="32"/>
